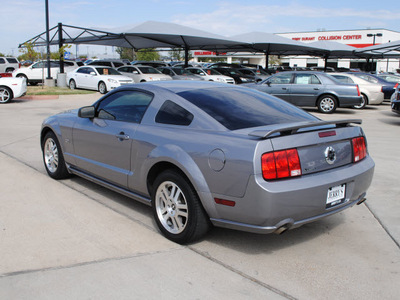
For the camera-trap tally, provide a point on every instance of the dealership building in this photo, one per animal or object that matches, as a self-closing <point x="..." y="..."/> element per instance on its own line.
<point x="354" y="38"/>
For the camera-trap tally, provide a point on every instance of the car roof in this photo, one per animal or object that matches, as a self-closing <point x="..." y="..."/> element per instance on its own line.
<point x="177" y="86"/>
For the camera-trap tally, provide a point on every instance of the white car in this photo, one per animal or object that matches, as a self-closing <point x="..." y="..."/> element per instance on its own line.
<point x="11" y="87"/>
<point x="371" y="92"/>
<point x="37" y="72"/>
<point x="8" y="64"/>
<point x="140" y="73"/>
<point x="99" y="78"/>
<point x="211" y="75"/>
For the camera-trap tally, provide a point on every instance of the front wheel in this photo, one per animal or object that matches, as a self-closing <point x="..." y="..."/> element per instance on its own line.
<point x="364" y="101"/>
<point x="102" y="87"/>
<point x="177" y="209"/>
<point x="72" y="84"/>
<point x="327" y="104"/>
<point x="5" y="94"/>
<point x="53" y="157"/>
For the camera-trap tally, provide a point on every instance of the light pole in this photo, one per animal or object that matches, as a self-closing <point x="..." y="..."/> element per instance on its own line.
<point x="374" y="35"/>
<point x="48" y="40"/>
<point x="373" y="43"/>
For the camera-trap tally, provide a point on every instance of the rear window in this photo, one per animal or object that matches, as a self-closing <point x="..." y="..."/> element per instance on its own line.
<point x="12" y="60"/>
<point x="237" y="108"/>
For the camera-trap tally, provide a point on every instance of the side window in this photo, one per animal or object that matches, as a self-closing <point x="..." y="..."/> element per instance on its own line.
<point x="38" y="65"/>
<point x="124" y="69"/>
<point x="283" y="78"/>
<point x="173" y="114"/>
<point x="2" y="61"/>
<point x="306" y="79"/>
<point x="128" y="106"/>
<point x="118" y="64"/>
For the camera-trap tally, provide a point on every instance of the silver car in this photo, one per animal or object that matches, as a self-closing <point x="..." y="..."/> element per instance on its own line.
<point x="204" y="153"/>
<point x="313" y="89"/>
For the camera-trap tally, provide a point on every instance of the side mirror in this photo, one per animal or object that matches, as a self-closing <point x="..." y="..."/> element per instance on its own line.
<point x="93" y="73"/>
<point x="268" y="83"/>
<point x="86" y="112"/>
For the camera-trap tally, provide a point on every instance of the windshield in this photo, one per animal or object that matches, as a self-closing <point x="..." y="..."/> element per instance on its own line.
<point x="148" y="70"/>
<point x="107" y="71"/>
<point x="237" y="108"/>
<point x="212" y="72"/>
<point x="180" y="71"/>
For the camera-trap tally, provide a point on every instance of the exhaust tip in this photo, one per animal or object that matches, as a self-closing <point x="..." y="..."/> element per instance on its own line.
<point x="361" y="201"/>
<point x="281" y="229"/>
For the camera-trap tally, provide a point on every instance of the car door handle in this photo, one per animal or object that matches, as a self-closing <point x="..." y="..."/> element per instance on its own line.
<point x="284" y="89"/>
<point x="316" y="89"/>
<point x="122" y="136"/>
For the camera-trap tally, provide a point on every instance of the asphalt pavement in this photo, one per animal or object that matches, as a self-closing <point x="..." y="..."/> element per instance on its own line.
<point x="72" y="239"/>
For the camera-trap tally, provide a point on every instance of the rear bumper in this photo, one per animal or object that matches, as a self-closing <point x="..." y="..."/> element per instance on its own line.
<point x="267" y="206"/>
<point x="396" y="106"/>
<point x="349" y="101"/>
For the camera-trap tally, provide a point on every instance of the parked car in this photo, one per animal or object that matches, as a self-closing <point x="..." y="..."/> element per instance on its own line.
<point x="8" y="64"/>
<point x="238" y="76"/>
<point x="35" y="73"/>
<point x="257" y="74"/>
<point x="390" y="77"/>
<point x="323" y="69"/>
<point x="211" y="75"/>
<point x="11" y="88"/>
<point x="372" y="93"/>
<point x="395" y="100"/>
<point x="387" y="87"/>
<point x="98" y="78"/>
<point x="178" y="147"/>
<point x="313" y="89"/>
<point x="178" y="73"/>
<point x="141" y="73"/>
<point x="107" y="63"/>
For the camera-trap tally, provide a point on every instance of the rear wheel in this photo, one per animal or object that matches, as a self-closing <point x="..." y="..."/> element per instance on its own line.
<point x="327" y="104"/>
<point x="177" y="209"/>
<point x="53" y="157"/>
<point x="102" y="87"/>
<point x="364" y="102"/>
<point x="5" y="94"/>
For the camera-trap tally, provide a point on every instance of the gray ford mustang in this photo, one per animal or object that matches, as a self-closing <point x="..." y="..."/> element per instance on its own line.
<point x="203" y="154"/>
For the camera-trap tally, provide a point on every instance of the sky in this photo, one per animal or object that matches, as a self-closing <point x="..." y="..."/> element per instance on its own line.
<point x="24" y="19"/>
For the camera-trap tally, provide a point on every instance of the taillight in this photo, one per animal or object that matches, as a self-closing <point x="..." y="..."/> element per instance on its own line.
<point x="359" y="149"/>
<point x="280" y="164"/>
<point x="358" y="90"/>
<point x="396" y="85"/>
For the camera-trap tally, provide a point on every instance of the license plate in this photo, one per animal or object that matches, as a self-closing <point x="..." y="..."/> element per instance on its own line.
<point x="336" y="195"/>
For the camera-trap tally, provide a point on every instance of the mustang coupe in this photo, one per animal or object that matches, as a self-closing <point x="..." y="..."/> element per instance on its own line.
<point x="204" y="153"/>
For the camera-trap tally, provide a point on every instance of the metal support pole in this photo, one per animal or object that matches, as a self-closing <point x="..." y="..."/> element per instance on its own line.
<point x="186" y="56"/>
<point x="48" y="40"/>
<point x="60" y="45"/>
<point x="266" y="60"/>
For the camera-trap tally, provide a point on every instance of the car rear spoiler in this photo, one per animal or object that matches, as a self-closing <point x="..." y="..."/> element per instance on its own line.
<point x="286" y="130"/>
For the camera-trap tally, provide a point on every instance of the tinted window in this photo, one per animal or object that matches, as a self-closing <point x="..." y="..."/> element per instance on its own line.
<point x="12" y="60"/>
<point x="172" y="113"/>
<point x="344" y="79"/>
<point x="107" y="71"/>
<point x="237" y="108"/>
<point x="2" y="61"/>
<point x="118" y="64"/>
<point x="283" y="78"/>
<point x="128" y="106"/>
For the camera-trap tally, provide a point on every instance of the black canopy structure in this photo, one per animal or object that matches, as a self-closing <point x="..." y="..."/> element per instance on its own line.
<point x="271" y="44"/>
<point x="145" y="35"/>
<point x="387" y="50"/>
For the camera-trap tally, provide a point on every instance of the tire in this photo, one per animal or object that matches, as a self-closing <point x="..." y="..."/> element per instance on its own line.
<point x="102" y="87"/>
<point x="363" y="103"/>
<point x="9" y="70"/>
<point x="327" y="104"/>
<point x="72" y="84"/>
<point x="6" y="94"/>
<point x="53" y="157"/>
<point x="177" y="209"/>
